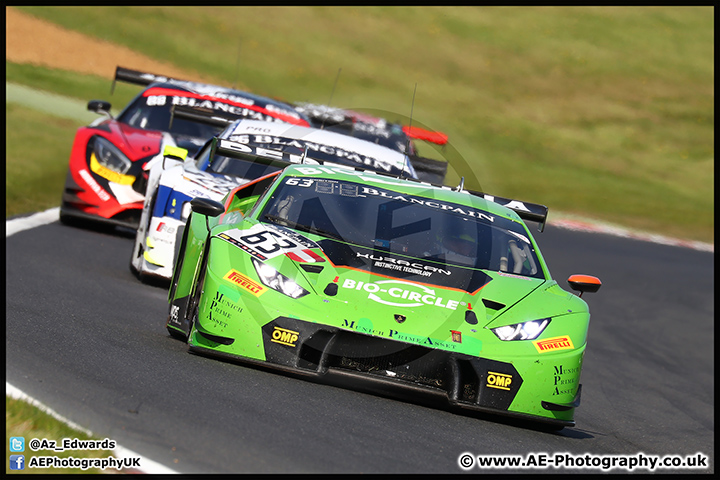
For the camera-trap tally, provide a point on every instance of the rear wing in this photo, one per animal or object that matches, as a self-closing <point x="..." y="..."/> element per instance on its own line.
<point x="438" y="138"/>
<point x="429" y="170"/>
<point x="339" y="116"/>
<point x="263" y="156"/>
<point x="137" y="77"/>
<point x="527" y="211"/>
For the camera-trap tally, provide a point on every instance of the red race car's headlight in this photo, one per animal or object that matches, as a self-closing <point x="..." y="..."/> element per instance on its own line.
<point x="108" y="155"/>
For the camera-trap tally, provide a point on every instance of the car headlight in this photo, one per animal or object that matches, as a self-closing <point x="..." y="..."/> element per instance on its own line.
<point x="522" y="331"/>
<point x="277" y="281"/>
<point x="109" y="156"/>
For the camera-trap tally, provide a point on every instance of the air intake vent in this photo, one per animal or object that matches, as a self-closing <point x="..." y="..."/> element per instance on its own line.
<point x="311" y="268"/>
<point x="331" y="289"/>
<point x="493" y="305"/>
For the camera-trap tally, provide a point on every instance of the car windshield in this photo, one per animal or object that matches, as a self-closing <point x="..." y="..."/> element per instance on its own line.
<point x="245" y="167"/>
<point x="153" y="113"/>
<point x="403" y="224"/>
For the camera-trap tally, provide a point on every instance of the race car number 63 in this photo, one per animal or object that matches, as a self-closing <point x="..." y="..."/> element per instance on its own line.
<point x="264" y="243"/>
<point x="300" y="182"/>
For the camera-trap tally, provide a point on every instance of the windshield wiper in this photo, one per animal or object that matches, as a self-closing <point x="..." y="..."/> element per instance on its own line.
<point x="277" y="220"/>
<point x="303" y="228"/>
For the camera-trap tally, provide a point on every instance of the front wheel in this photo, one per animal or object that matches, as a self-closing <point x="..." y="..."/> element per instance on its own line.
<point x="194" y="304"/>
<point x="137" y="261"/>
<point x="183" y="311"/>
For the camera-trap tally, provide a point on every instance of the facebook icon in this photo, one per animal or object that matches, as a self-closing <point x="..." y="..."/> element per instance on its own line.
<point x="17" y="462"/>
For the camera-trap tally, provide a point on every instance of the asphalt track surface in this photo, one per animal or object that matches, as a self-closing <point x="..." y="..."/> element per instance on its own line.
<point x="86" y="338"/>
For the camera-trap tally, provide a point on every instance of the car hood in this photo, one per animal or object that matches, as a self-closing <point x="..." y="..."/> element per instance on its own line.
<point x="137" y="143"/>
<point x="134" y="142"/>
<point x="394" y="288"/>
<point x="186" y="178"/>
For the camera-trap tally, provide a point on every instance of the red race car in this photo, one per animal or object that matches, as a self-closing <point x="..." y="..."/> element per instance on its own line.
<point x="111" y="157"/>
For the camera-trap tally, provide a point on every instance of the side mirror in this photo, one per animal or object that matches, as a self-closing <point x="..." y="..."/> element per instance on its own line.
<point x="207" y="207"/>
<point x="584" y="283"/>
<point x="100" y="106"/>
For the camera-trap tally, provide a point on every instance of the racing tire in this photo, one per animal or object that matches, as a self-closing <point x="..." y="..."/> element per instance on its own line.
<point x="194" y="304"/>
<point x="179" y="261"/>
<point x="141" y="246"/>
<point x="179" y="237"/>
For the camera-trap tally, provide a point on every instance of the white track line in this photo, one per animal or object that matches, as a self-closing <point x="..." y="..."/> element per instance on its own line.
<point x="572" y="223"/>
<point x="35" y="220"/>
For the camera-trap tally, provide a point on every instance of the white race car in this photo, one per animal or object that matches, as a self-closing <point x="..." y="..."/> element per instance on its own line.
<point x="253" y="149"/>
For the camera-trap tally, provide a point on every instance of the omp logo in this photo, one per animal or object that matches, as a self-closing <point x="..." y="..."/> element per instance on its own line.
<point x="284" y="336"/>
<point x="244" y="282"/>
<point x="497" y="380"/>
<point x="409" y="295"/>
<point x="555" y="343"/>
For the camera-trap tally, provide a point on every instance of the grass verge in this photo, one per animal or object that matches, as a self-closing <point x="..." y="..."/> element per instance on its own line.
<point x="27" y="421"/>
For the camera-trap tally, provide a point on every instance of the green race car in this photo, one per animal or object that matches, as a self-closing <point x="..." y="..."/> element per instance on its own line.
<point x="323" y="269"/>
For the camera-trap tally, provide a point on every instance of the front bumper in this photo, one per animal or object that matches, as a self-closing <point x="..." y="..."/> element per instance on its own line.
<point x="522" y="389"/>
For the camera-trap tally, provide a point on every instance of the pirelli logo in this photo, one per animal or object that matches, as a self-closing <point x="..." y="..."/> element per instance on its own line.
<point x="283" y="336"/>
<point x="501" y="381"/>
<point x="244" y="282"/>
<point x="553" y="344"/>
